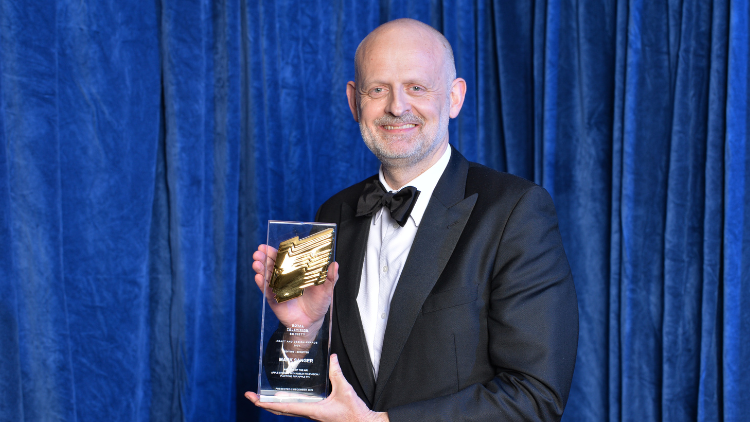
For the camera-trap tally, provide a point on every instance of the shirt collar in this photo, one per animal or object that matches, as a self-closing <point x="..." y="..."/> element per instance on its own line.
<point x="425" y="183"/>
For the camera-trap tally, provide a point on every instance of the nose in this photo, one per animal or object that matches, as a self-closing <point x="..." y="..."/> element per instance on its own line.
<point x="398" y="102"/>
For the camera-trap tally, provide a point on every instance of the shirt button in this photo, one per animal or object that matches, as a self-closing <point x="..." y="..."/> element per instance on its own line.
<point x="385" y="268"/>
<point x="395" y="225"/>
<point x="382" y="316"/>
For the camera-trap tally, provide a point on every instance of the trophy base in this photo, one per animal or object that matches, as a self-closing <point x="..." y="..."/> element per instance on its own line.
<point x="275" y="396"/>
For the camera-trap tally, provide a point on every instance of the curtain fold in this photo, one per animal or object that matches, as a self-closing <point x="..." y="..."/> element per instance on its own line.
<point x="200" y="63"/>
<point x="76" y="83"/>
<point x="145" y="146"/>
<point x="736" y="250"/>
<point x="36" y="351"/>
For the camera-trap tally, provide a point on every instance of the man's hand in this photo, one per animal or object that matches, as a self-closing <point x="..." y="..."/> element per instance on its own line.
<point x="342" y="405"/>
<point x="308" y="309"/>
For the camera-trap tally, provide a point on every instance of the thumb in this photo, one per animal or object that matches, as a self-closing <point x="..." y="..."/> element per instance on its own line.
<point x="333" y="273"/>
<point x="334" y="373"/>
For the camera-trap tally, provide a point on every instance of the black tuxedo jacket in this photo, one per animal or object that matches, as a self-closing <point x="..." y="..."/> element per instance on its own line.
<point x="484" y="320"/>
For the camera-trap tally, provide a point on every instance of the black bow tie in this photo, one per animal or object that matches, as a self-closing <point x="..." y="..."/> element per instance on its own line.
<point x="375" y="197"/>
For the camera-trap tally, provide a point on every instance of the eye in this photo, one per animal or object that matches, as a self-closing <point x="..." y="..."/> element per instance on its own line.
<point x="377" y="92"/>
<point x="417" y="90"/>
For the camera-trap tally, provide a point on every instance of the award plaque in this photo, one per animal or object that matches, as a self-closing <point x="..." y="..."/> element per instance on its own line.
<point x="296" y="319"/>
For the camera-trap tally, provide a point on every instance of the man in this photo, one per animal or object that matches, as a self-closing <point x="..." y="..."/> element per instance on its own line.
<point x="461" y="309"/>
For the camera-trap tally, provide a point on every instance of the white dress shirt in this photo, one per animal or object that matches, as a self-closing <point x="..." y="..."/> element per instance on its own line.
<point x="388" y="245"/>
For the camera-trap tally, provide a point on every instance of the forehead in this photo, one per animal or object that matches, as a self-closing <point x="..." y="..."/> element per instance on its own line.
<point x="399" y="55"/>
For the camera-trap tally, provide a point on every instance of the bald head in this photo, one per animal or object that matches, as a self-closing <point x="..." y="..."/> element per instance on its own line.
<point x="407" y="30"/>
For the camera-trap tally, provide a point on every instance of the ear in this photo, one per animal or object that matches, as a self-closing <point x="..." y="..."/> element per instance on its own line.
<point x="458" y="92"/>
<point x="351" y="94"/>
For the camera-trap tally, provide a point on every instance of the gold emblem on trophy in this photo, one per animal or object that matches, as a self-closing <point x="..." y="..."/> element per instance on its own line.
<point x="301" y="263"/>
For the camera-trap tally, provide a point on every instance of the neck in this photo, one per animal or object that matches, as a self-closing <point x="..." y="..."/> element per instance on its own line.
<point x="398" y="176"/>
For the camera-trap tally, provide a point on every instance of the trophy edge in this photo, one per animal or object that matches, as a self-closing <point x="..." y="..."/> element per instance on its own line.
<point x="327" y="365"/>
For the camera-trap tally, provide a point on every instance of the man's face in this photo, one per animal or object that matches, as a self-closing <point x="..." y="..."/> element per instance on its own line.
<point x="403" y="101"/>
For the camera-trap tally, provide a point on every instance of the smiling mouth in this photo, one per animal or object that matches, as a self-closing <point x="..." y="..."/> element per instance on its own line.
<point x="407" y="126"/>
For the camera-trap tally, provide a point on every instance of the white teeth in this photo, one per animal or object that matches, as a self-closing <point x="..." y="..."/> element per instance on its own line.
<point x="399" y="127"/>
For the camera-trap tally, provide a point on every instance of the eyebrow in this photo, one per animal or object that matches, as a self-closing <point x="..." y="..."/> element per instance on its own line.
<point x="424" y="83"/>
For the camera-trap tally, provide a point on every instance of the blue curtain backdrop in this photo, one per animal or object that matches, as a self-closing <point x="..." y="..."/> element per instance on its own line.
<point x="146" y="144"/>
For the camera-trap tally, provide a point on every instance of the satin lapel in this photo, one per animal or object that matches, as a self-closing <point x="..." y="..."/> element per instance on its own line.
<point x="438" y="233"/>
<point x="350" y="253"/>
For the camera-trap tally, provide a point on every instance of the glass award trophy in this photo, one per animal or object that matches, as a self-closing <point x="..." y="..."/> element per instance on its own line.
<point x="296" y="321"/>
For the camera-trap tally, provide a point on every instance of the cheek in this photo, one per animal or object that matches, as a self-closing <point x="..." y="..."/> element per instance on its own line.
<point x="368" y="111"/>
<point x="369" y="116"/>
<point x="429" y="107"/>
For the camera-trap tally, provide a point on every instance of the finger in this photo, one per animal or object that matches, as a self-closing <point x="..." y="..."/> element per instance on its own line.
<point x="259" y="255"/>
<point x="252" y="397"/>
<point x="333" y="272"/>
<point x="278" y="408"/>
<point x="334" y="373"/>
<point x="259" y="270"/>
<point x="260" y="281"/>
<point x="258" y="267"/>
<point x="263" y="260"/>
<point x="269" y="251"/>
<point x="255" y="399"/>
<point x="265" y="251"/>
<point x="289" y="409"/>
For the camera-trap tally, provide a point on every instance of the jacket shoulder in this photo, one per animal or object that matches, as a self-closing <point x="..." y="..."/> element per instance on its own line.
<point x="482" y="179"/>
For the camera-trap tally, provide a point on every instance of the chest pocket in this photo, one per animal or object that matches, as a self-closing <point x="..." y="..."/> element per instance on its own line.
<point x="449" y="298"/>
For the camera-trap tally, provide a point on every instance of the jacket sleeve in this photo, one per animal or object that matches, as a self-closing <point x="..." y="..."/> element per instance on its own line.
<point x="532" y="328"/>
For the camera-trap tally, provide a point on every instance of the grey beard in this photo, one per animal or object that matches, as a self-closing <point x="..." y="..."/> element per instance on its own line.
<point x="401" y="160"/>
<point x="389" y="158"/>
<point x="400" y="120"/>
